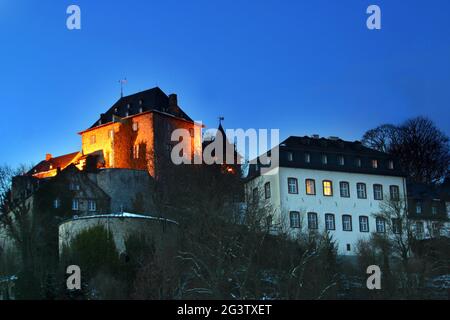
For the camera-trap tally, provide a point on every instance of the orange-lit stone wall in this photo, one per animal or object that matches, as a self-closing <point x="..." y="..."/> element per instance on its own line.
<point x="136" y="149"/>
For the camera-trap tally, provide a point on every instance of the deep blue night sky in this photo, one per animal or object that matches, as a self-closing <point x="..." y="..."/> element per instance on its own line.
<point x="302" y="66"/>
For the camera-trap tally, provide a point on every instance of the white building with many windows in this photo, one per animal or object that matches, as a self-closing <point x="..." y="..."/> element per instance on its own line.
<point x="327" y="185"/>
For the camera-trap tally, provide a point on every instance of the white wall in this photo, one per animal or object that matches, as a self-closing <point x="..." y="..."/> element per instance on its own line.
<point x="322" y="205"/>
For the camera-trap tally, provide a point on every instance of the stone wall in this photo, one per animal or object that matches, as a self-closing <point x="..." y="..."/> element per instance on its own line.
<point x="129" y="190"/>
<point x="162" y="232"/>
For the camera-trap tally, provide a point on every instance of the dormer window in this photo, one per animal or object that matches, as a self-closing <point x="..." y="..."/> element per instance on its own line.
<point x="290" y="156"/>
<point x="358" y="162"/>
<point x="324" y="159"/>
<point x="341" y="160"/>
<point x="375" y="164"/>
<point x="127" y="114"/>
<point x="140" y="109"/>
<point x="128" y="106"/>
<point x="391" y="165"/>
<point x="307" y="157"/>
<point x="115" y="110"/>
<point x="141" y="102"/>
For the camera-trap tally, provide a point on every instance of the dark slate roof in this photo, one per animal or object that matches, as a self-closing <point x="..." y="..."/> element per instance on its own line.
<point x="57" y="162"/>
<point x="422" y="191"/>
<point x="333" y="148"/>
<point x="150" y="100"/>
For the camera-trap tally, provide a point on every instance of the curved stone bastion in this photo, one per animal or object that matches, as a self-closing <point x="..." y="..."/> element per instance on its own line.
<point x="163" y="232"/>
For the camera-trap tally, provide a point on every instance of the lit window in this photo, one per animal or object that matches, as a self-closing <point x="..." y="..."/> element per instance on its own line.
<point x="420" y="230"/>
<point x="395" y="192"/>
<point x="358" y="162"/>
<point x="347" y="222"/>
<point x="361" y="191"/>
<point x="324" y="159"/>
<point x="313" y="224"/>
<point x="419" y="207"/>
<point x="135" y="126"/>
<point x="381" y="225"/>
<point x="391" y="165"/>
<point x="310" y="187"/>
<point x="290" y="156"/>
<point x="330" y="222"/>
<point x="136" y="151"/>
<point x="378" y="192"/>
<point x="92" y="205"/>
<point x="345" y="189"/>
<point x="292" y="186"/>
<point x="294" y="217"/>
<point x="341" y="160"/>
<point x="267" y="190"/>
<point x="307" y="157"/>
<point x="93" y="139"/>
<point x="327" y="188"/>
<point x="363" y="224"/>
<point x="375" y="164"/>
<point x="56" y="203"/>
<point x="75" y="205"/>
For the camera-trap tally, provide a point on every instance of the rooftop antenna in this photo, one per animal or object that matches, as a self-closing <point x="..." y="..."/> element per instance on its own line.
<point x="122" y="83"/>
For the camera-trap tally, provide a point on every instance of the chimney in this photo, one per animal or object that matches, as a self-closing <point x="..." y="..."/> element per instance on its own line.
<point x="48" y="157"/>
<point x="173" y="103"/>
<point x="315" y="136"/>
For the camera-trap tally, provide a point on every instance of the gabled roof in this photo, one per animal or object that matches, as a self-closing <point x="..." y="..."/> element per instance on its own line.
<point x="54" y="163"/>
<point x="150" y="100"/>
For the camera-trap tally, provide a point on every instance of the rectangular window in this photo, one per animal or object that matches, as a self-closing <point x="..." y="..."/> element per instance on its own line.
<point x="330" y="222"/>
<point x="363" y="224"/>
<point x="290" y="156"/>
<point x="419" y="207"/>
<point x="135" y="126"/>
<point x="358" y="162"/>
<point x="395" y="192"/>
<point x="375" y="164"/>
<point x="292" y="186"/>
<point x="313" y="223"/>
<point x="361" y="190"/>
<point x="391" y="165"/>
<point x="56" y="203"/>
<point x="434" y="209"/>
<point x="74" y="186"/>
<point x="345" y="189"/>
<point x="378" y="192"/>
<point x="136" y="151"/>
<point x="310" y="187"/>
<point x="381" y="225"/>
<point x="396" y="226"/>
<point x="191" y="132"/>
<point x="327" y="188"/>
<point x="420" y="230"/>
<point x="255" y="195"/>
<point x="324" y="159"/>
<point x="341" y="160"/>
<point x="267" y="190"/>
<point x="93" y="139"/>
<point x="347" y="223"/>
<point x="295" y="219"/>
<point x="75" y="205"/>
<point x="111" y="134"/>
<point x="92" y="205"/>
<point x="307" y="158"/>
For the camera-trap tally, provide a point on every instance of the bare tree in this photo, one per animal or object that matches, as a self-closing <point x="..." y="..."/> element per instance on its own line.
<point x="423" y="149"/>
